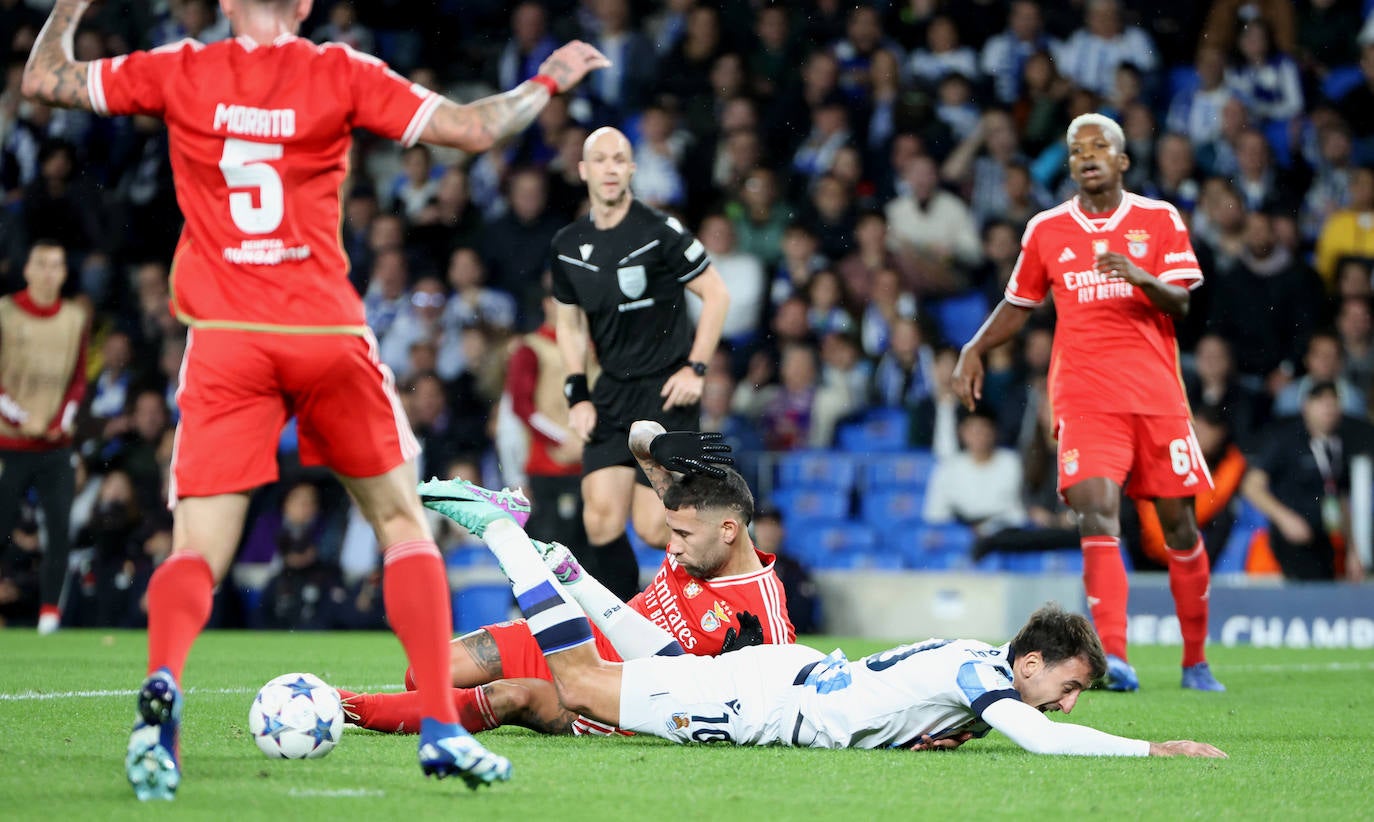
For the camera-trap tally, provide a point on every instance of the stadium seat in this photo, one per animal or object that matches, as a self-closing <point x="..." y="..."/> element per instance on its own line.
<point x="960" y="316"/>
<point x="881" y="430"/>
<point x="468" y="556"/>
<point x="1236" y="551"/>
<point x="910" y="469"/>
<point x="831" y="470"/>
<point x="1276" y="133"/>
<point x="820" y="542"/>
<point x="878" y="508"/>
<point x="801" y="504"/>
<point x="1182" y="79"/>
<point x="478" y="605"/>
<point x="953" y="538"/>
<point x="848" y="561"/>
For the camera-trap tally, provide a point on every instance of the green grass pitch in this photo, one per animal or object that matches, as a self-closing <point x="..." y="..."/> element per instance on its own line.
<point x="1298" y="726"/>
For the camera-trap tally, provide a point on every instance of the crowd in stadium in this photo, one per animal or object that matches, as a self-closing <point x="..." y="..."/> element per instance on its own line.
<point x="860" y="174"/>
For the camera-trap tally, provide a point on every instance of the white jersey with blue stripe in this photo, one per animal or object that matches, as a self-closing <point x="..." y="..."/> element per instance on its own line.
<point x="937" y="687"/>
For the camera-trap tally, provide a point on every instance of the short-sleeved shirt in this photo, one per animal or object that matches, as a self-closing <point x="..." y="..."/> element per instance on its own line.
<point x="630" y="281"/>
<point x="1114" y="350"/>
<point x="259" y="139"/>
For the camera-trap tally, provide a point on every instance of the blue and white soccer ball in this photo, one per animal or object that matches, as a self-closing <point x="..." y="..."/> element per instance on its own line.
<point x="296" y="716"/>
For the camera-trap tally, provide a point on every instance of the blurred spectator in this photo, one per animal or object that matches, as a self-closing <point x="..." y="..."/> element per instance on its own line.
<point x="827" y="305"/>
<point x="1348" y="232"/>
<point x="934" y="418"/>
<point x="981" y="164"/>
<point x="803" y="598"/>
<point x="139" y="442"/>
<point x="108" y="393"/>
<point x="624" y="87"/>
<point x="1041" y="107"/>
<point x="885" y="97"/>
<point x="666" y="27"/>
<point x="1226" y="20"/>
<point x="471" y="303"/>
<point x="1329" y="191"/>
<point x="935" y="227"/>
<point x="1355" y="326"/>
<point x="942" y="55"/>
<point x="1300" y="481"/>
<point x="798" y="412"/>
<point x="1001" y="248"/>
<point x="955" y="106"/>
<point x="343" y="27"/>
<point x="421" y="320"/>
<point x="683" y="73"/>
<point x="791" y="118"/>
<point x="516" y="246"/>
<point x="870" y="255"/>
<point x="829" y="132"/>
<point x="1196" y="110"/>
<point x="1214" y="384"/>
<point x="801" y="257"/>
<point x="888" y="305"/>
<point x="1264" y="303"/>
<point x="308" y="594"/>
<point x="1324" y="40"/>
<point x="855" y="52"/>
<point x="1174" y="180"/>
<point x="449" y="220"/>
<point x="529" y="45"/>
<point x="191" y="19"/>
<point x="417" y="184"/>
<point x="387" y="295"/>
<point x="1261" y="185"/>
<point x="63" y="205"/>
<point x="1005" y="55"/>
<point x="743" y="275"/>
<point x="759" y="217"/>
<point x="979" y="486"/>
<point x="1357" y="106"/>
<point x="772" y="60"/>
<point x="1091" y="54"/>
<point x="1265" y="78"/>
<point x="717" y="393"/>
<point x="658" y="155"/>
<point x="1322" y="363"/>
<point x="831" y="215"/>
<point x="905" y="372"/>
<point x="1218" y="224"/>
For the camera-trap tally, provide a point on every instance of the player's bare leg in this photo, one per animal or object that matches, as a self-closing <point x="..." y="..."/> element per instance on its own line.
<point x="650" y="517"/>
<point x="1190" y="581"/>
<point x="205" y="532"/>
<point x="607" y="495"/>
<point x="1097" y="502"/>
<point x="416" y="594"/>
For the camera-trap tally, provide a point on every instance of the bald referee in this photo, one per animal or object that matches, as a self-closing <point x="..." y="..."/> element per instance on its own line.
<point x="619" y="277"/>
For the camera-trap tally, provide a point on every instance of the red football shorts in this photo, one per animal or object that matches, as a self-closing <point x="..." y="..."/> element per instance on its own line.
<point x="520" y="654"/>
<point x="238" y="389"/>
<point x="1160" y="455"/>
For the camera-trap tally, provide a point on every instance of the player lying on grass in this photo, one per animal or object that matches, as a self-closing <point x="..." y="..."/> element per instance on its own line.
<point x="714" y="592"/>
<point x="937" y="690"/>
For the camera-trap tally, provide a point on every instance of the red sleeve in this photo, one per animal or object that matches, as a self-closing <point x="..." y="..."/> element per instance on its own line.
<point x="386" y="103"/>
<point x="135" y="83"/>
<point x="1177" y="264"/>
<point x="1029" y="279"/>
<point x="522" y="374"/>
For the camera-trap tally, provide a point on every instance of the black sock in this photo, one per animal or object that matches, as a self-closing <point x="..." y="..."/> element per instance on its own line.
<point x="617" y="567"/>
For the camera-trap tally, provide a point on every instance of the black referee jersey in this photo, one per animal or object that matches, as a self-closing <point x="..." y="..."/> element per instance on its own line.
<point x="630" y="280"/>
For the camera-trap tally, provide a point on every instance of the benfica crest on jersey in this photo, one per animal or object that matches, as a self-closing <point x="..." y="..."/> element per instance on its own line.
<point x="1138" y="243"/>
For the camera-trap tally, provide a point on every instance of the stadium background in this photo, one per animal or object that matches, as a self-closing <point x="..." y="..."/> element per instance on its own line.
<point x="795" y="139"/>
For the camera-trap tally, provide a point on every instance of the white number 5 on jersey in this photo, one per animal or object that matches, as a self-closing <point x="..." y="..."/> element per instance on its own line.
<point x="244" y="165"/>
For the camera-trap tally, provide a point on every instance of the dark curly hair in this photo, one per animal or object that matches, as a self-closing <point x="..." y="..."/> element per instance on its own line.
<point x="702" y="492"/>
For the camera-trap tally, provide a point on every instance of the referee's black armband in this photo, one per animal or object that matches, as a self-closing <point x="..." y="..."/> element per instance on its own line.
<point x="575" y="389"/>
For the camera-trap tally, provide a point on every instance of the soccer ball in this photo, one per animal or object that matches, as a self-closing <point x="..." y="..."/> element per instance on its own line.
<point x="296" y="716"/>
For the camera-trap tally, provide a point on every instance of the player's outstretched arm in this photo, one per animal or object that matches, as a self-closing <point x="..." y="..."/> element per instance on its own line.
<point x="642" y="435"/>
<point x="477" y="126"/>
<point x="53" y="75"/>
<point x="1001" y="325"/>
<point x="1034" y="732"/>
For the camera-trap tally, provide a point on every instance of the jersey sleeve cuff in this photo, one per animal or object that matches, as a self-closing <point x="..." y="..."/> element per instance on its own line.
<point x="95" y="86"/>
<point x="1189" y="278"/>
<point x="420" y="121"/>
<point x="696" y="271"/>
<point x="981" y="703"/>
<point x="1021" y="301"/>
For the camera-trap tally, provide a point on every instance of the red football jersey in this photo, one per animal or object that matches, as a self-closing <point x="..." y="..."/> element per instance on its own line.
<point x="1114" y="350"/>
<point x="259" y="136"/>
<point x="698" y="612"/>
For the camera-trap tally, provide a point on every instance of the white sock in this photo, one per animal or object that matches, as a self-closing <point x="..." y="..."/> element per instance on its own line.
<point x="631" y="634"/>
<point x="556" y="622"/>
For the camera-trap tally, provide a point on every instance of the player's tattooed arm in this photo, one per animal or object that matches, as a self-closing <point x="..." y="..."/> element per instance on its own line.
<point x="479" y="125"/>
<point x="53" y="75"/>
<point x="482" y="648"/>
<point x="642" y="435"/>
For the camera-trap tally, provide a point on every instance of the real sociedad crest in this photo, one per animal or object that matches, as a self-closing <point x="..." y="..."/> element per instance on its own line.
<point x="632" y="281"/>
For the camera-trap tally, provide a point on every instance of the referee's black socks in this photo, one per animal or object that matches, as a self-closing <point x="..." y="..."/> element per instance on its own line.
<point x="617" y="567"/>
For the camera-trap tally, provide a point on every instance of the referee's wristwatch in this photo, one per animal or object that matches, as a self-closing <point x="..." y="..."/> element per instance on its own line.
<point x="698" y="368"/>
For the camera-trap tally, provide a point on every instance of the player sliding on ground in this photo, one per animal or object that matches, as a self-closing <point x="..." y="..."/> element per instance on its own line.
<point x="713" y="592"/>
<point x="936" y="693"/>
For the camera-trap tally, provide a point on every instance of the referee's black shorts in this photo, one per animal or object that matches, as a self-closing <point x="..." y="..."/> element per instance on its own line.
<point x="619" y="403"/>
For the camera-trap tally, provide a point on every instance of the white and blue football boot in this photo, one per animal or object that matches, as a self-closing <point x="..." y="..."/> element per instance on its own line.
<point x="151" y="763"/>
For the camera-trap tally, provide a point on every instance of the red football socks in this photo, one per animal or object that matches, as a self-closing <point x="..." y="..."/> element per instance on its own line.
<point x="1104" y="579"/>
<point x="180" y="596"/>
<point x="416" y="594"/>
<point x="1190" y="581"/>
<point x="401" y="712"/>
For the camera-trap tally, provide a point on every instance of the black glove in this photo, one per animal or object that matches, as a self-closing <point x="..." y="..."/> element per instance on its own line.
<point x="691" y="452"/>
<point x="750" y="633"/>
